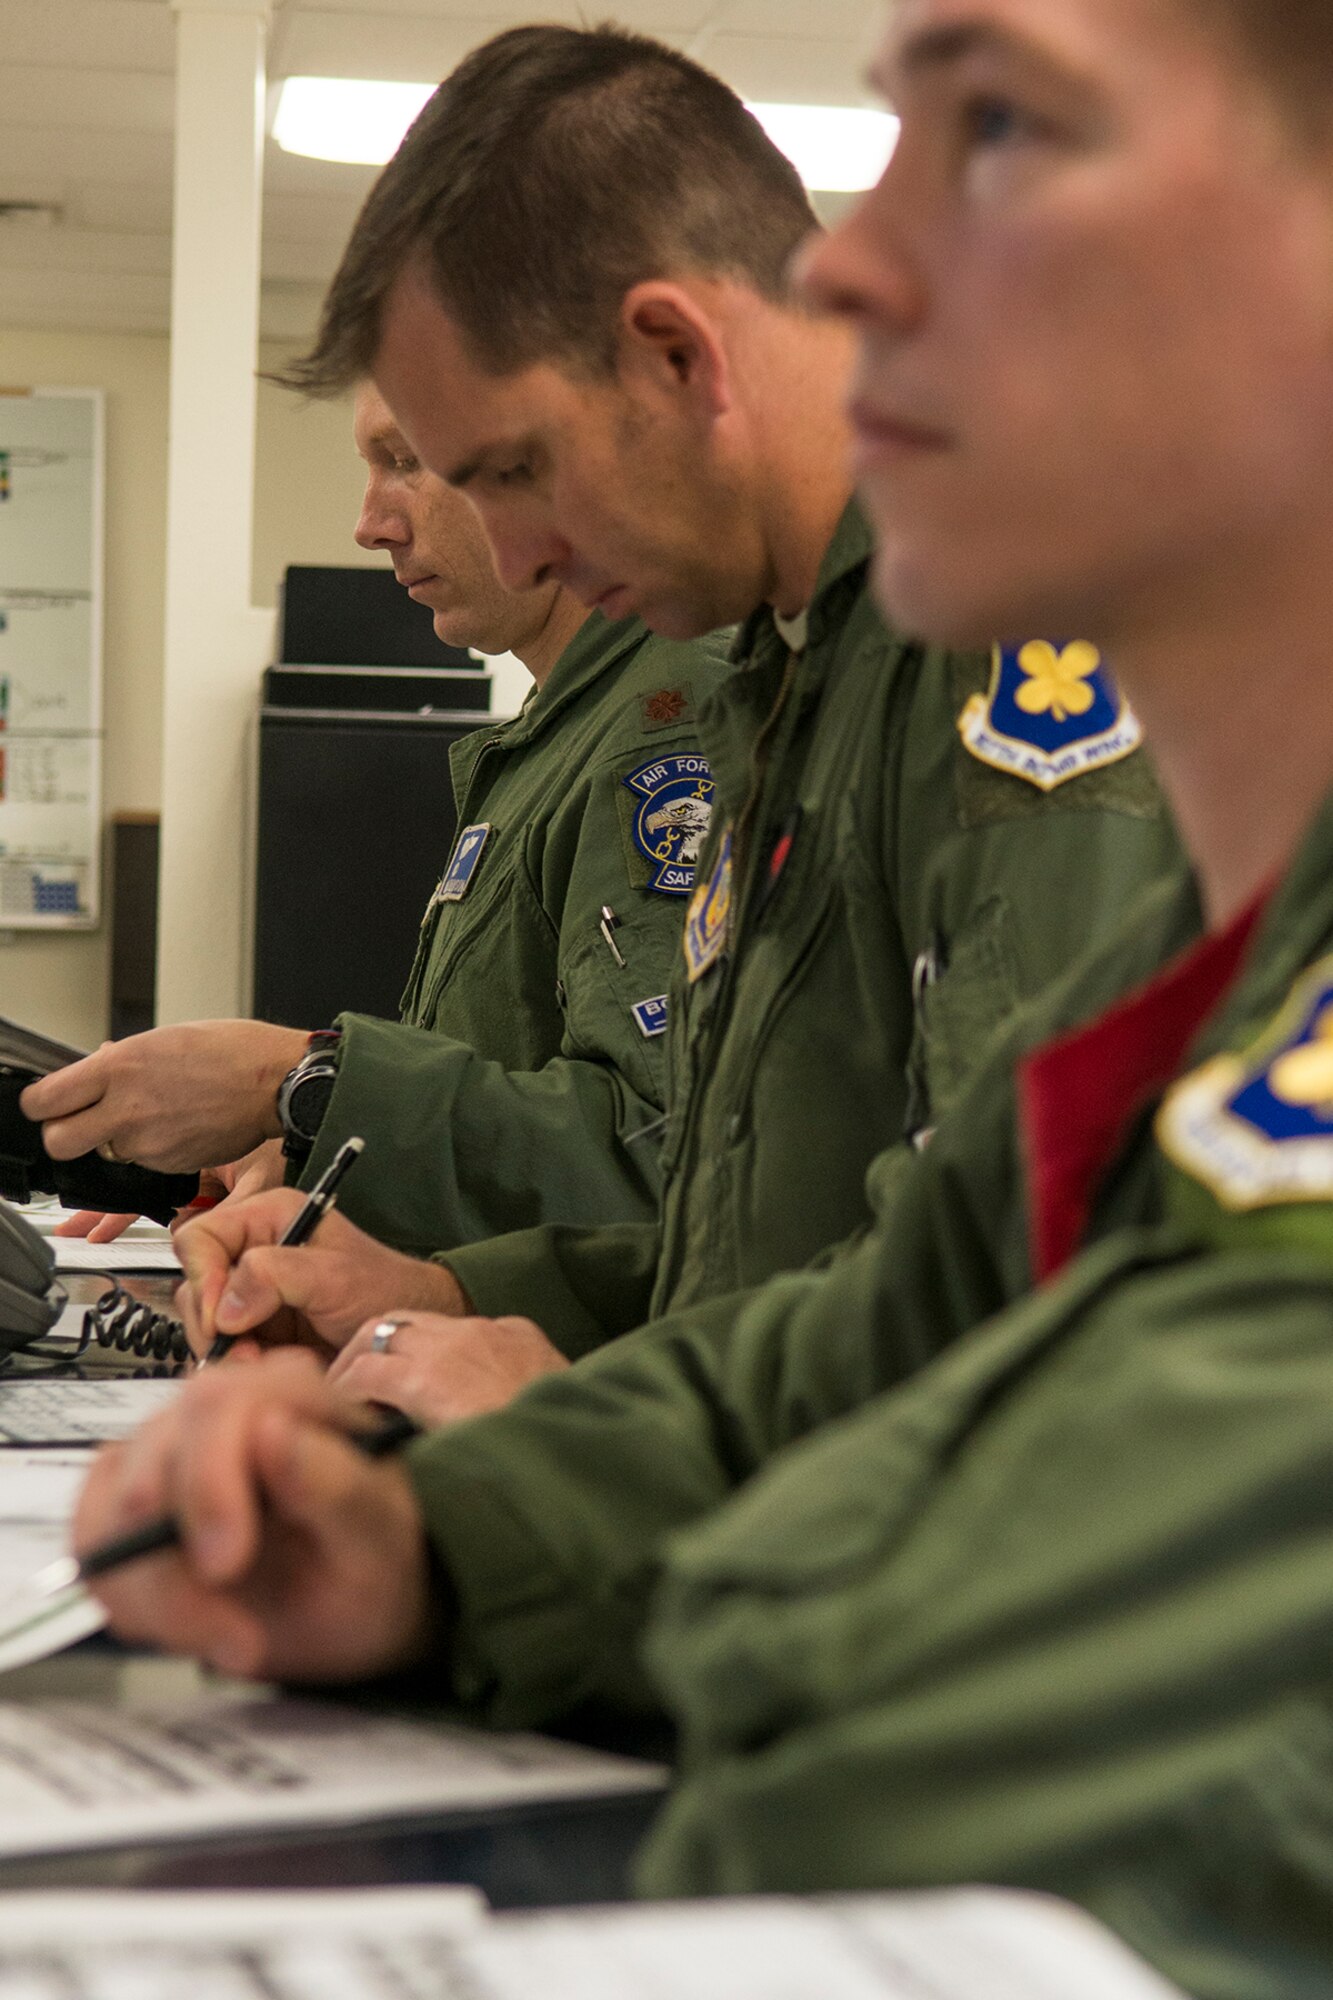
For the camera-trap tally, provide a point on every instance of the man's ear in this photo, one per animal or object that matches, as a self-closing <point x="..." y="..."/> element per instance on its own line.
<point x="668" y="338"/>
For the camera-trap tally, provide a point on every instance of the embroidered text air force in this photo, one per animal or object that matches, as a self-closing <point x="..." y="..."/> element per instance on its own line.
<point x="675" y="795"/>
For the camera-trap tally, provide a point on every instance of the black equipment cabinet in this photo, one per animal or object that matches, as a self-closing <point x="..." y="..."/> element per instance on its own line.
<point x="356" y="822"/>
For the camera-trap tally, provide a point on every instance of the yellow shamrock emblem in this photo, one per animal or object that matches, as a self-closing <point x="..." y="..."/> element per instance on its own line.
<point x="1057" y="682"/>
<point x="1304" y="1076"/>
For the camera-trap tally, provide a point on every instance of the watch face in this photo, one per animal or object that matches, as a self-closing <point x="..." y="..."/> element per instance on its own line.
<point x="307" y="1099"/>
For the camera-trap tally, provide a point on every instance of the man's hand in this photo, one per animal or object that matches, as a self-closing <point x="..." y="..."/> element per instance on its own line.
<point x="300" y="1558"/>
<point x="175" y="1098"/>
<point x="96" y="1224"/>
<point x="239" y="1281"/>
<point x="257" y="1171"/>
<point x="440" y="1369"/>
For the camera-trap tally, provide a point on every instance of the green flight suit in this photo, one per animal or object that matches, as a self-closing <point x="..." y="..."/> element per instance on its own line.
<point x="894" y="899"/>
<point x="518" y="1086"/>
<point x="1055" y="1612"/>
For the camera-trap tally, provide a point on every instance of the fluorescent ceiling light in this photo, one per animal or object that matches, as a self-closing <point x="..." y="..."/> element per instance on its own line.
<point x="834" y="148"/>
<point x="341" y="118"/>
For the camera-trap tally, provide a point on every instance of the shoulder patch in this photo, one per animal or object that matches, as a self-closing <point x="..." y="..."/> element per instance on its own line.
<point x="1051" y="713"/>
<point x="674" y="802"/>
<point x="1257" y="1129"/>
<point x="666" y="707"/>
<point x="457" y="877"/>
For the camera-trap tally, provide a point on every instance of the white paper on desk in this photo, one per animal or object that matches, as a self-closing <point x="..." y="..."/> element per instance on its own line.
<point x="73" y="1775"/>
<point x="404" y="1944"/>
<point x="68" y="1412"/>
<point x="959" y="1944"/>
<point x="128" y="1253"/>
<point x="376" y="1944"/>
<point x="38" y="1490"/>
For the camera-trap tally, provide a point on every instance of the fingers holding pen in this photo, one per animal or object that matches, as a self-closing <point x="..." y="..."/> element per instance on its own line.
<point x="298" y="1555"/>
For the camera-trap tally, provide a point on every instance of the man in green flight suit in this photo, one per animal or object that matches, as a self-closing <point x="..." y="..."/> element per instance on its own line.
<point x="531" y="1045"/>
<point x="1058" y="1610"/>
<point x="900" y="852"/>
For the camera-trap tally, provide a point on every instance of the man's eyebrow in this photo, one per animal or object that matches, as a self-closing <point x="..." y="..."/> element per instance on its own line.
<point x="468" y="469"/>
<point x="947" y="45"/>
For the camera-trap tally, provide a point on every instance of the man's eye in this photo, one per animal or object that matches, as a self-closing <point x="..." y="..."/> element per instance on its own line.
<point x="406" y="466"/>
<point x="995" y="121"/>
<point x="513" y="475"/>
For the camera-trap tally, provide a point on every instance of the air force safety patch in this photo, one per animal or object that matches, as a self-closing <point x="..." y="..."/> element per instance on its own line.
<point x="675" y="797"/>
<point x="457" y="877"/>
<point x="1051" y="713"/>
<point x="1257" y="1130"/>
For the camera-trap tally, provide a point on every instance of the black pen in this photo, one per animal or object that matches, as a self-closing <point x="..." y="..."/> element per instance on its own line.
<point x="322" y="1197"/>
<point x="165" y="1532"/>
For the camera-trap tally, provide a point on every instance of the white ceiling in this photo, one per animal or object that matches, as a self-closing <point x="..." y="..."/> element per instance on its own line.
<point x="87" y="87"/>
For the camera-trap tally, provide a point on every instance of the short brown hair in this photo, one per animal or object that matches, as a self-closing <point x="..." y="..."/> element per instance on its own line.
<point x="556" y="168"/>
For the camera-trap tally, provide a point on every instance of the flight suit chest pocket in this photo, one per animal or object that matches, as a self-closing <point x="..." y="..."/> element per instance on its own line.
<point x="452" y="927"/>
<point x="963" y="988"/>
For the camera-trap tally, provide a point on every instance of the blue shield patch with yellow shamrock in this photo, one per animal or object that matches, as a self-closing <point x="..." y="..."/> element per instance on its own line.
<point x="675" y="797"/>
<point x="1052" y="712"/>
<point x="1257" y="1130"/>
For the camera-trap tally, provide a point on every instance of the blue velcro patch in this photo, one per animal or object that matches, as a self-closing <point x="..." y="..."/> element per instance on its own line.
<point x="675" y="802"/>
<point x="457" y="877"/>
<point x="651" y="1016"/>
<point x="1258" y="1130"/>
<point x="1052" y="712"/>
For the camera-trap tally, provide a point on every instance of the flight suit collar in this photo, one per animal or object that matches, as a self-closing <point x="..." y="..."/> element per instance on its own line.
<point x="597" y="648"/>
<point x="1081" y="1095"/>
<point x="735" y="712"/>
<point x="844" y="563"/>
<point x="1296" y="929"/>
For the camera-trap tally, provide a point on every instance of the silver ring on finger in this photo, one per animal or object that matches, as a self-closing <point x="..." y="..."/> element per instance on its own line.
<point x="106" y="1151"/>
<point x="382" y="1333"/>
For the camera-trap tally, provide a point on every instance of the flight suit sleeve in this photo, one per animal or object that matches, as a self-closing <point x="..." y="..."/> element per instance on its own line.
<point x="549" y="1517"/>
<point x="582" y="1286"/>
<point x="461" y="1148"/>
<point x="1057" y="1615"/>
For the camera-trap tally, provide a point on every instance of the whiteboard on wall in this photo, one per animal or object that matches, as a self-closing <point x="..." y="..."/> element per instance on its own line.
<point x="51" y="488"/>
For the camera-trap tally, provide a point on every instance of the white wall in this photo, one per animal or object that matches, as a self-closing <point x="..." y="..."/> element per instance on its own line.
<point x="307" y="493"/>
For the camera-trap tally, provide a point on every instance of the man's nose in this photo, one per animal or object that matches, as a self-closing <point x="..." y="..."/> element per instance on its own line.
<point x="380" y="525"/>
<point x="526" y="554"/>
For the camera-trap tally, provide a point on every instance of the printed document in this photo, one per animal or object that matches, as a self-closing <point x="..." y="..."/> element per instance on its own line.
<point x="970" y="1944"/>
<point x="78" y="1775"/>
<point x="954" y="1944"/>
<point x="62" y="1412"/>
